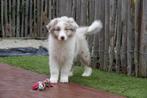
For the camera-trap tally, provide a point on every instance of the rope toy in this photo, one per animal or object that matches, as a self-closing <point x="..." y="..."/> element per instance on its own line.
<point x="41" y="85"/>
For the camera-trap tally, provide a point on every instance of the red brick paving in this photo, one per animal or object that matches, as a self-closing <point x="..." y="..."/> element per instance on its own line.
<point x="17" y="83"/>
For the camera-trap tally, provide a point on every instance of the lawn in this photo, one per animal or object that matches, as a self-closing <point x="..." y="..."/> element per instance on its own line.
<point x="117" y="83"/>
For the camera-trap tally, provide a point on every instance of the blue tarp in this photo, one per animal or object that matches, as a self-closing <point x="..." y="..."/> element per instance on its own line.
<point x="27" y="51"/>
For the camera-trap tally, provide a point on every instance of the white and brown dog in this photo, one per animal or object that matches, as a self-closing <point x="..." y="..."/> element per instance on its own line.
<point x="66" y="42"/>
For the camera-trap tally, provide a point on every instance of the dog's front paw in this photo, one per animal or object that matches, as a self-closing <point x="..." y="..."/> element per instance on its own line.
<point x="64" y="79"/>
<point x="53" y="80"/>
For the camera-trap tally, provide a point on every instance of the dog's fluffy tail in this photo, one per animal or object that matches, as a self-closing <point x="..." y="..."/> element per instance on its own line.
<point x="95" y="27"/>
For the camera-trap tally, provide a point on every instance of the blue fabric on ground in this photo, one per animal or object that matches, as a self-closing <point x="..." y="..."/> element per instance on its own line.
<point x="27" y="51"/>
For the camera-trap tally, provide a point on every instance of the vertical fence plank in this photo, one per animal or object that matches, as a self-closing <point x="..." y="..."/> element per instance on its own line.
<point x="124" y="37"/>
<point x="6" y="18"/>
<point x="143" y="41"/>
<point x="93" y="41"/>
<point x="101" y="8"/>
<point x="2" y="17"/>
<point x="13" y="17"/>
<point x="78" y="11"/>
<point x="40" y="18"/>
<point x="94" y="47"/>
<point x="0" y="22"/>
<point x="9" y="12"/>
<point x="83" y="14"/>
<point x="67" y="8"/>
<point x="26" y="18"/>
<point x="8" y="26"/>
<point x="22" y="18"/>
<point x="138" y="17"/>
<point x="18" y="19"/>
<point x="73" y="9"/>
<point x="118" y="36"/>
<point x="130" y="37"/>
<point x="106" y="47"/>
<point x="53" y="3"/>
<point x="111" y="33"/>
<point x="34" y="34"/>
<point x="49" y="10"/>
<point x="30" y="17"/>
<point x="45" y="18"/>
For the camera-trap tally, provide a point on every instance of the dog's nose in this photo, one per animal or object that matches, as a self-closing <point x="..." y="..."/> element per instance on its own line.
<point x="62" y="38"/>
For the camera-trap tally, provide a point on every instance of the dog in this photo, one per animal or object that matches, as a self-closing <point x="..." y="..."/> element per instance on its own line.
<point x="67" y="41"/>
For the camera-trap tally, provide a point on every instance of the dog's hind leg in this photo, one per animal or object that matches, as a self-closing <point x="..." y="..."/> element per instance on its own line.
<point x="71" y="72"/>
<point x="85" y="60"/>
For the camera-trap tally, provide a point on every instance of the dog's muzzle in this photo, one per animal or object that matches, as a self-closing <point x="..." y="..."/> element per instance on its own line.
<point x="62" y="36"/>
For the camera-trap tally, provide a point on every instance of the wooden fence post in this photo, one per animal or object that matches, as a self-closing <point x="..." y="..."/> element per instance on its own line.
<point x="2" y="17"/>
<point x="138" y="19"/>
<point x="106" y="44"/>
<point x="112" y="33"/>
<point x="124" y="37"/>
<point x="118" y="36"/>
<point x="130" y="37"/>
<point x="101" y="34"/>
<point x="143" y="41"/>
<point x="18" y="19"/>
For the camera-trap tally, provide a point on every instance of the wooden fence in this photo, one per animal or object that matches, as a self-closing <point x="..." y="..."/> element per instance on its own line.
<point x="122" y="44"/>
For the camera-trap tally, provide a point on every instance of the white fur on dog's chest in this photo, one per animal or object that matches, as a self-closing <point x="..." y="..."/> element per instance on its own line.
<point x="61" y="51"/>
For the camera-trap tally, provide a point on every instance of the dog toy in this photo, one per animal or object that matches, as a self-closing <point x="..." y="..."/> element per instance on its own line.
<point x="41" y="85"/>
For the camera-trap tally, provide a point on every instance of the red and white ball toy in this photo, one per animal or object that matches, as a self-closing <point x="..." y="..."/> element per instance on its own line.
<point x="41" y="85"/>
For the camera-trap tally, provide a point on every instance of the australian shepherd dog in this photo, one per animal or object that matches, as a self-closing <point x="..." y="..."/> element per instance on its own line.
<point x="67" y="41"/>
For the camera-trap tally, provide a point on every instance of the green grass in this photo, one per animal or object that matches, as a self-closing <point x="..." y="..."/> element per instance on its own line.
<point x="117" y="83"/>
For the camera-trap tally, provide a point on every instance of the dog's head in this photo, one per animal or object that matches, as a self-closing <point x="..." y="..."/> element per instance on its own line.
<point x="62" y="28"/>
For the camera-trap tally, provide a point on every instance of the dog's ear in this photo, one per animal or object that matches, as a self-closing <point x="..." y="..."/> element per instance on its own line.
<point x="73" y="23"/>
<point x="51" y="24"/>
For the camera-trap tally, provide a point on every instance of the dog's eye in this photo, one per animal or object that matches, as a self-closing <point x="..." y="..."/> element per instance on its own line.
<point x="56" y="29"/>
<point x="69" y="29"/>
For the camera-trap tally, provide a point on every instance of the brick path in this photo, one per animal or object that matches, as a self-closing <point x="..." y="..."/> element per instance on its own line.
<point x="17" y="83"/>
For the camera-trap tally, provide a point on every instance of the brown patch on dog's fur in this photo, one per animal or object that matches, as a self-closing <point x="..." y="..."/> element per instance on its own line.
<point x="55" y="31"/>
<point x="82" y="52"/>
<point x="51" y="25"/>
<point x="54" y="35"/>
